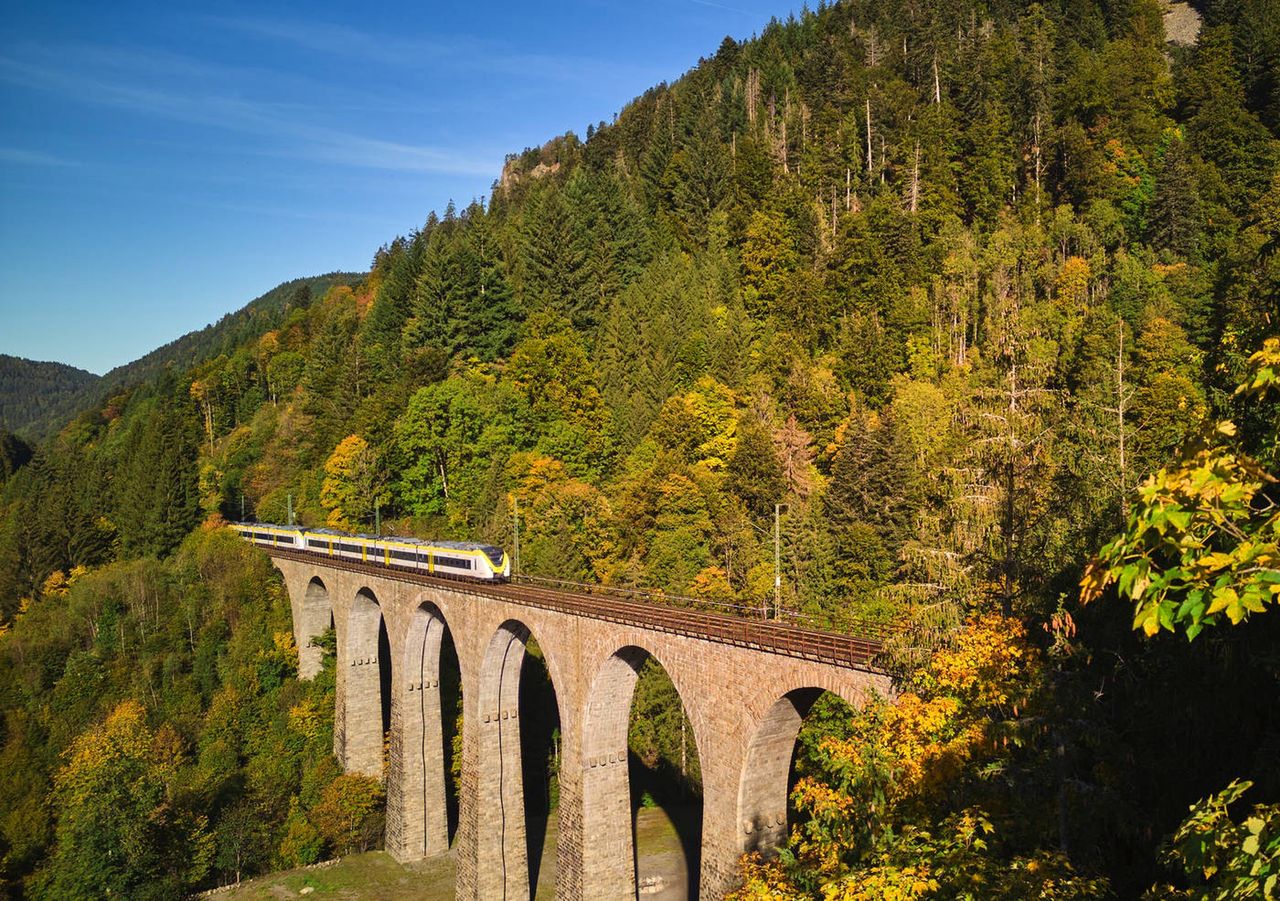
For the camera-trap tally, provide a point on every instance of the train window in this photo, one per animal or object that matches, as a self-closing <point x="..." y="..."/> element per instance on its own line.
<point x="454" y="562"/>
<point x="404" y="555"/>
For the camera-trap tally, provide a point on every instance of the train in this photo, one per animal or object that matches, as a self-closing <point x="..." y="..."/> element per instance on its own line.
<point x="455" y="559"/>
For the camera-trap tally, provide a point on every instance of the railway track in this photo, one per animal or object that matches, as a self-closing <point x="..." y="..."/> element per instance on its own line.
<point x="849" y="651"/>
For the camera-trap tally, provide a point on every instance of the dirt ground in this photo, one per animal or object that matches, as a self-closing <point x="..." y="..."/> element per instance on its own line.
<point x="662" y="869"/>
<point x="372" y="875"/>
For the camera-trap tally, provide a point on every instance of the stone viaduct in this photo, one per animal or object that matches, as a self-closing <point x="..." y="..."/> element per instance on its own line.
<point x="745" y="695"/>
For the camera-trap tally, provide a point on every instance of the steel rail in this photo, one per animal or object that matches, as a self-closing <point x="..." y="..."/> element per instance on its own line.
<point x="848" y="651"/>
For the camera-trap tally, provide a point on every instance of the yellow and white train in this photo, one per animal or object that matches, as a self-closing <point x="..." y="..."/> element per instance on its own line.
<point x="464" y="559"/>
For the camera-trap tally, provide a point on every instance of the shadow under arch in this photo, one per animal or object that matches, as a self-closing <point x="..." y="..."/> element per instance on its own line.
<point x="314" y="618"/>
<point x="510" y="833"/>
<point x="764" y="787"/>
<point x="609" y="856"/>
<point x="432" y="702"/>
<point x="367" y="706"/>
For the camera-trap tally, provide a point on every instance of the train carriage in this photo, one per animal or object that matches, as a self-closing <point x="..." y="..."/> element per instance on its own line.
<point x="458" y="559"/>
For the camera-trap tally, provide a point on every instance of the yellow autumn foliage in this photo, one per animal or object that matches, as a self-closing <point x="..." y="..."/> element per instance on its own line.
<point x="902" y="755"/>
<point x="124" y="734"/>
<point x="986" y="665"/>
<point x="885" y="883"/>
<point x="283" y="642"/>
<point x="306" y="719"/>
<point x="1073" y="282"/>
<point x="354" y="484"/>
<point x="55" y="586"/>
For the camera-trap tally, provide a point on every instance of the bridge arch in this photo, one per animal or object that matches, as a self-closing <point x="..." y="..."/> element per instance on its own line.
<point x="367" y="705"/>
<point x="428" y="711"/>
<point x="315" y="617"/>
<point x="609" y="861"/>
<point x="765" y="781"/>
<point x="508" y="851"/>
<point x="763" y="787"/>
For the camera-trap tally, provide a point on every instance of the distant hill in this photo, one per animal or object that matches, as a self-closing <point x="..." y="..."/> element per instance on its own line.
<point x="35" y="403"/>
<point x="36" y="397"/>
<point x="233" y="330"/>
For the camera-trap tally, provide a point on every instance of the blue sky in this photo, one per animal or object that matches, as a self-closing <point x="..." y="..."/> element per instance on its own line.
<point x="163" y="164"/>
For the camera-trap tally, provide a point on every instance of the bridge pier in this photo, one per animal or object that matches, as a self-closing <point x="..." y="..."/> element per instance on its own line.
<point x="608" y="858"/>
<point x="312" y="614"/>
<point x="745" y="701"/>
<point x="417" y="803"/>
<point x="762" y="790"/>
<point x="362" y="700"/>
<point x="502" y="851"/>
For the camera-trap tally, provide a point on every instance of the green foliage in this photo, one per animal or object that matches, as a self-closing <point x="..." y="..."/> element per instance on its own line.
<point x="754" y="472"/>
<point x="117" y="831"/>
<point x="768" y="260"/>
<point x="446" y="440"/>
<point x="302" y="844"/>
<point x="1204" y="538"/>
<point x="1221" y="858"/>
<point x="209" y="793"/>
<point x="14" y="454"/>
<point x="349" y="815"/>
<point x="157" y="494"/>
<point x="659" y="734"/>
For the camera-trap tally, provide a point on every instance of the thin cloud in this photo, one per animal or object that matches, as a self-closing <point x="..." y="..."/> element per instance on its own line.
<point x="274" y="121"/>
<point x="18" y="157"/>
<point x="732" y="9"/>
<point x="458" y="53"/>
<point x="336" y="217"/>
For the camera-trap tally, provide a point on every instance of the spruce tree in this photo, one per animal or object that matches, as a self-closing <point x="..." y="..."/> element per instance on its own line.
<point x="1175" y="217"/>
<point x="755" y="475"/>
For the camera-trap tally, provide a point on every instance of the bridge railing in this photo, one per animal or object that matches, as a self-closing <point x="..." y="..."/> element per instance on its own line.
<point x="881" y="631"/>
<point x="794" y="641"/>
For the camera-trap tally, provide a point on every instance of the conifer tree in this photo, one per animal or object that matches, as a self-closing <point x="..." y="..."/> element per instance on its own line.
<point x="1175" y="208"/>
<point x="755" y="474"/>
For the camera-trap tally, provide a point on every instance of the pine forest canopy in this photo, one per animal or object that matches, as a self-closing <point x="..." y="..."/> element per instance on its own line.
<point x="36" y="398"/>
<point x="948" y="281"/>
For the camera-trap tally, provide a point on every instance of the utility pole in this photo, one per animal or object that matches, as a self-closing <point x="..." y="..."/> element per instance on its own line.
<point x="377" y="518"/>
<point x="515" y="526"/>
<point x="777" y="560"/>
<point x="291" y="509"/>
<point x="242" y="506"/>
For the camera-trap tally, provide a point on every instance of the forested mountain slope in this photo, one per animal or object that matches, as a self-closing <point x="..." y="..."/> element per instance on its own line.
<point x="35" y="396"/>
<point x="37" y="399"/>
<point x="946" y="281"/>
<point x="230" y="332"/>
